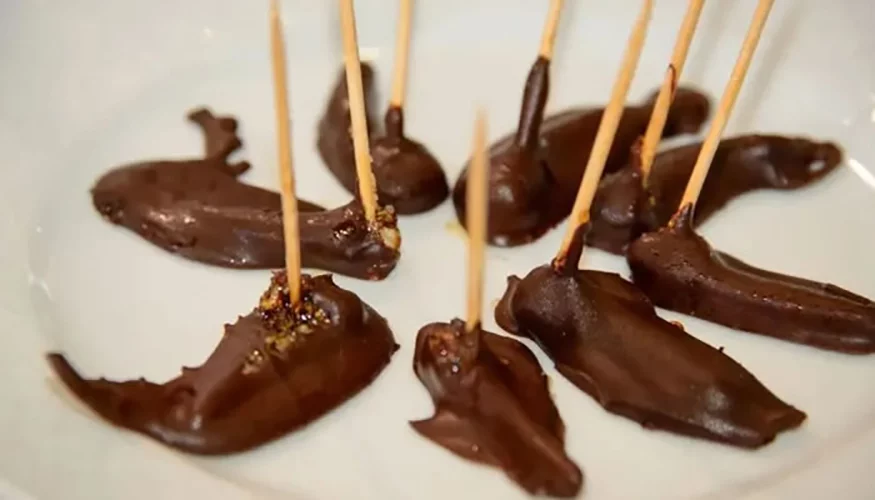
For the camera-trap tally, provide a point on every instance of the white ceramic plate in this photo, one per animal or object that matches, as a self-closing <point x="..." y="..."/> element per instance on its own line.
<point x="89" y="84"/>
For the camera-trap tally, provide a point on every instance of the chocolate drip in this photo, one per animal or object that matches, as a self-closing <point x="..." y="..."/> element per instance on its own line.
<point x="529" y="194"/>
<point x="623" y="210"/>
<point x="493" y="406"/>
<point x="273" y="371"/>
<point x="605" y="337"/>
<point x="679" y="270"/>
<point x="408" y="177"/>
<point x="532" y="109"/>
<point x="200" y="210"/>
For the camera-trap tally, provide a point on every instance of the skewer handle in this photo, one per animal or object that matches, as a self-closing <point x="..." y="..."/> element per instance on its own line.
<point x="402" y="49"/>
<point x="727" y="102"/>
<point x="284" y="153"/>
<point x="366" y="184"/>
<point x="548" y="38"/>
<point x="476" y="223"/>
<point x="607" y="130"/>
<point x="669" y="85"/>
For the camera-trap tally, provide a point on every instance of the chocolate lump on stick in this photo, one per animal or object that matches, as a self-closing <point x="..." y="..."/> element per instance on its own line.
<point x="623" y="208"/>
<point x="200" y="210"/>
<point x="526" y="203"/>
<point x="604" y="336"/>
<point x="492" y="401"/>
<point x="274" y="371"/>
<point x="408" y="177"/>
<point x="493" y="406"/>
<point x="680" y="271"/>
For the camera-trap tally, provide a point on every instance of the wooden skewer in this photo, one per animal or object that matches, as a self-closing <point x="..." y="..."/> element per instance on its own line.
<point x="669" y="85"/>
<point x="548" y="38"/>
<point x="402" y="49"/>
<point x="724" y="110"/>
<point x="366" y="184"/>
<point x="607" y="130"/>
<point x="284" y="152"/>
<point x="476" y="223"/>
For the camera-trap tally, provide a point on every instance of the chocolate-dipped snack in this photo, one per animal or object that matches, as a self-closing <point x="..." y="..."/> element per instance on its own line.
<point x="605" y="338"/>
<point x="680" y="271"/>
<point x="493" y="406"/>
<point x="534" y="174"/>
<point x="274" y="370"/>
<point x="200" y="210"/>
<point x="492" y="401"/>
<point x="408" y="177"/>
<point x="623" y="208"/>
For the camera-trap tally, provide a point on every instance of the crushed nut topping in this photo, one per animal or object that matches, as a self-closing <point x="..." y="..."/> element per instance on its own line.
<point x="288" y="323"/>
<point x="387" y="227"/>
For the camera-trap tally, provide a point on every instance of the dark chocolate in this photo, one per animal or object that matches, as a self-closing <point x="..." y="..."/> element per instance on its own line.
<point x="493" y="406"/>
<point x="680" y="271"/>
<point x="535" y="173"/>
<point x="623" y="209"/>
<point x="408" y="177"/>
<point x="274" y="371"/>
<point x="605" y="338"/>
<point x="200" y="210"/>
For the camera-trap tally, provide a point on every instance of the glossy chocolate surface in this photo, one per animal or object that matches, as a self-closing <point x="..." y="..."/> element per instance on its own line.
<point x="623" y="209"/>
<point x="605" y="337"/>
<point x="408" y="176"/>
<point x="680" y="271"/>
<point x="493" y="406"/>
<point x="273" y="371"/>
<point x="200" y="210"/>
<point x="534" y="174"/>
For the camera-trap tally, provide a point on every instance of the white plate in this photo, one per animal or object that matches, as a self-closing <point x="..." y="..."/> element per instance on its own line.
<point x="89" y="84"/>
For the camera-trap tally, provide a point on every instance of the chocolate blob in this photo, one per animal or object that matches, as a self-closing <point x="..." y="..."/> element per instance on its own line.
<point x="274" y="371"/>
<point x="408" y="177"/>
<point x="493" y="406"/>
<point x="680" y="271"/>
<point x="623" y="209"/>
<point x="534" y="175"/>
<point x="605" y="338"/>
<point x="200" y="210"/>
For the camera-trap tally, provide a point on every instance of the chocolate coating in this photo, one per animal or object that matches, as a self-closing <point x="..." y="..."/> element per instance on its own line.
<point x="493" y="406"/>
<point x="408" y="177"/>
<point x="534" y="175"/>
<point x="622" y="209"/>
<point x="680" y="271"/>
<point x="200" y="210"/>
<point x="605" y="337"/>
<point x="274" y="371"/>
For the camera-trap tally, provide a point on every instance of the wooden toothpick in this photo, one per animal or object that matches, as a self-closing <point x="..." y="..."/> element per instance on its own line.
<point x="549" y="36"/>
<point x="476" y="222"/>
<point x="669" y="85"/>
<point x="724" y="110"/>
<point x="366" y="184"/>
<point x="402" y="49"/>
<point x="607" y="129"/>
<point x="284" y="152"/>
